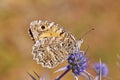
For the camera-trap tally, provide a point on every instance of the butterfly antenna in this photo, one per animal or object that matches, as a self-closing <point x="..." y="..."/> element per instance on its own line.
<point x="87" y="33"/>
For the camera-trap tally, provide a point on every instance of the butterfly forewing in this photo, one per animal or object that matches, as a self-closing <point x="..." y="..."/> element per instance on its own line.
<point x="52" y="45"/>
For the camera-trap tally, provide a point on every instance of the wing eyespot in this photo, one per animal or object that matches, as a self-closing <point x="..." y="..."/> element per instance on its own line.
<point x="42" y="27"/>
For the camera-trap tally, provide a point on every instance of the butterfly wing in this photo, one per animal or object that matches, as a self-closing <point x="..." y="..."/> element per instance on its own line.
<point x="53" y="45"/>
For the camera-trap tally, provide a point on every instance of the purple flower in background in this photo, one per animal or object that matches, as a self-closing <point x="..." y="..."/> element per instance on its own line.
<point x="101" y="68"/>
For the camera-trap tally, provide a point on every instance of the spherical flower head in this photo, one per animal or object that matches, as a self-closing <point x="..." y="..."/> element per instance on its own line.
<point x="77" y="62"/>
<point x="101" y="67"/>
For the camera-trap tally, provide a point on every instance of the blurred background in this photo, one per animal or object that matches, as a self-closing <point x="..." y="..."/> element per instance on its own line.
<point x="77" y="16"/>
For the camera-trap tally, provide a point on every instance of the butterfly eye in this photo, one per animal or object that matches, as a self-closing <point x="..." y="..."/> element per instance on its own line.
<point x="42" y="27"/>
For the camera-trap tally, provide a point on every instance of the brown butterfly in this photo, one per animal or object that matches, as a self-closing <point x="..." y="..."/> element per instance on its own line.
<point x="52" y="43"/>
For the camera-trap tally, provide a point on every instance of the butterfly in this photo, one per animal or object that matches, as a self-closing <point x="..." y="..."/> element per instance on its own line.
<point x="52" y="44"/>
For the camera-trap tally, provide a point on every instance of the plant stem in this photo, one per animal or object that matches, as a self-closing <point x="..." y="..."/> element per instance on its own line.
<point x="58" y="78"/>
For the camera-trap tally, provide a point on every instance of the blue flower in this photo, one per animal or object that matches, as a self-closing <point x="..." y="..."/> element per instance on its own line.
<point x="101" y="68"/>
<point x="78" y="64"/>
